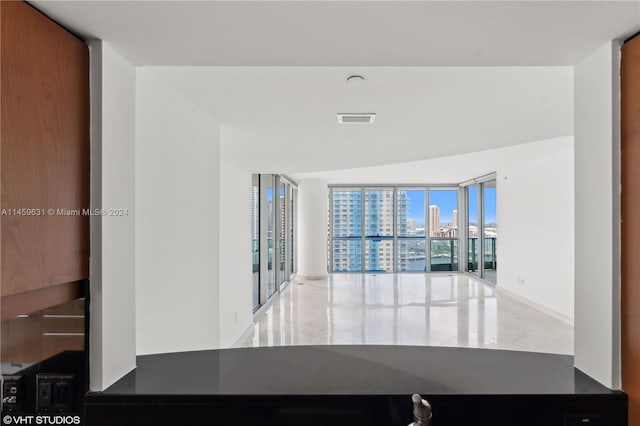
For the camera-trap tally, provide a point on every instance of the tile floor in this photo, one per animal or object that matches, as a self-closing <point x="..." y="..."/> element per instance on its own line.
<point x="435" y="309"/>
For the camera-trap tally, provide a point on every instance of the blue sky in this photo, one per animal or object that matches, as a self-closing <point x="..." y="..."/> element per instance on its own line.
<point x="448" y="201"/>
<point x="489" y="205"/>
<point x="416" y="206"/>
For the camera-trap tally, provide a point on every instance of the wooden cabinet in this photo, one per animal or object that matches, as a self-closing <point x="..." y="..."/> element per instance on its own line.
<point x="630" y="231"/>
<point x="44" y="160"/>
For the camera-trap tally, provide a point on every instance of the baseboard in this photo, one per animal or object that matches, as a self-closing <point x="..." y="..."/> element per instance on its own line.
<point x="555" y="314"/>
<point x="243" y="336"/>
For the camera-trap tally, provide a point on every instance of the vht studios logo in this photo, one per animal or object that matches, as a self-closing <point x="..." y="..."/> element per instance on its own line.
<point x="40" y="420"/>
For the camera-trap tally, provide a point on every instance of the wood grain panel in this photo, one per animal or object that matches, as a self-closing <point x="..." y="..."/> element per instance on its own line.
<point x="35" y="337"/>
<point x="44" y="140"/>
<point x="630" y="157"/>
<point x="22" y="340"/>
<point x="27" y="302"/>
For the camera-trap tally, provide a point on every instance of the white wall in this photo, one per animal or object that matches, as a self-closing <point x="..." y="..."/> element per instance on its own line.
<point x="177" y="220"/>
<point x="535" y="224"/>
<point x="534" y="208"/>
<point x="597" y="216"/>
<point x="236" y="310"/>
<point x="312" y="228"/>
<point x="113" y="334"/>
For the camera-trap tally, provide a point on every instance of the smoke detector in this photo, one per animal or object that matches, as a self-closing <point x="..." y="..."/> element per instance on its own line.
<point x="354" y="80"/>
<point x="356" y="118"/>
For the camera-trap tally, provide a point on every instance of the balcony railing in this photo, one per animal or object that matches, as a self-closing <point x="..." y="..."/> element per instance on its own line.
<point x="490" y="259"/>
<point x="444" y="254"/>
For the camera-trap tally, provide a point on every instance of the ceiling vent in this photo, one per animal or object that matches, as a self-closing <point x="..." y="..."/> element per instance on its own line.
<point x="353" y="118"/>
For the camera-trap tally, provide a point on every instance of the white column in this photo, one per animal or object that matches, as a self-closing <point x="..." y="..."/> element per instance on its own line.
<point x="597" y="216"/>
<point x="112" y="338"/>
<point x="312" y="229"/>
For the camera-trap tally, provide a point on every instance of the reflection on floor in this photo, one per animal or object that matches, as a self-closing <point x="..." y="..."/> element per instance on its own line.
<point x="491" y="275"/>
<point x="406" y="309"/>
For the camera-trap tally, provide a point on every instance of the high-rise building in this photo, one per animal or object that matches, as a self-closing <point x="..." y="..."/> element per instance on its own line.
<point x="404" y="225"/>
<point x="347" y="223"/>
<point x="434" y="221"/>
<point x="347" y="220"/>
<point x="379" y="222"/>
<point x="455" y="219"/>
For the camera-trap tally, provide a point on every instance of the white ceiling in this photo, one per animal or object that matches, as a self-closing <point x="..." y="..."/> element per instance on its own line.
<point x="283" y="119"/>
<point x="338" y="33"/>
<point x="445" y="170"/>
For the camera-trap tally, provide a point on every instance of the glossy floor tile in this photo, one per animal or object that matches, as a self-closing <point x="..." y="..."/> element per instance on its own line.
<point x="406" y="309"/>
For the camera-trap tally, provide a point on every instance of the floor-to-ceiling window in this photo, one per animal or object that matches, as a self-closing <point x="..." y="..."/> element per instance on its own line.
<point x="346" y="229"/>
<point x="378" y="226"/>
<point x="482" y="226"/>
<point x="385" y="229"/>
<point x="274" y="200"/>
<point x="282" y="233"/>
<point x="267" y="277"/>
<point x="490" y="231"/>
<point x="411" y="245"/>
<point x="443" y="229"/>
<point x="290" y="229"/>
<point x="473" y="228"/>
<point x="255" y="238"/>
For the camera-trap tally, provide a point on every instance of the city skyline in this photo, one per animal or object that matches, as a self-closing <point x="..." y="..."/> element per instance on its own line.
<point x="446" y="200"/>
<point x="355" y="248"/>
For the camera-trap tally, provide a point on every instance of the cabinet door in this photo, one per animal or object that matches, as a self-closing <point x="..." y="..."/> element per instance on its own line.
<point x="44" y="155"/>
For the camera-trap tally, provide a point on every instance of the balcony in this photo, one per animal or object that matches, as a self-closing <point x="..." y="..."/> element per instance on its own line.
<point x="444" y="254"/>
<point x="490" y="259"/>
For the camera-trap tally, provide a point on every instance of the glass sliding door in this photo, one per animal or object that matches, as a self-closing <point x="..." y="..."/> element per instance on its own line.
<point x="379" y="230"/>
<point x="473" y="228"/>
<point x="255" y="238"/>
<point x="346" y="229"/>
<point x="482" y="228"/>
<point x="490" y="231"/>
<point x="443" y="229"/>
<point x="295" y="230"/>
<point x="411" y="248"/>
<point x="273" y="207"/>
<point x="290" y="233"/>
<point x="282" y="233"/>
<point x="267" y="234"/>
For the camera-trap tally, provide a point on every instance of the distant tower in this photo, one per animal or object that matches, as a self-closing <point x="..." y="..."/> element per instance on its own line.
<point x="455" y="219"/>
<point x="434" y="220"/>
<point x="346" y="206"/>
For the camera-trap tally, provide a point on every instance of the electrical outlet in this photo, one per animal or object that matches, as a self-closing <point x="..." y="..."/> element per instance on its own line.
<point x="12" y="393"/>
<point x="44" y="396"/>
<point x="55" y="393"/>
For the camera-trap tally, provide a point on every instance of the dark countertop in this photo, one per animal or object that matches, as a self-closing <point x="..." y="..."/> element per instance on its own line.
<point x="356" y="370"/>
